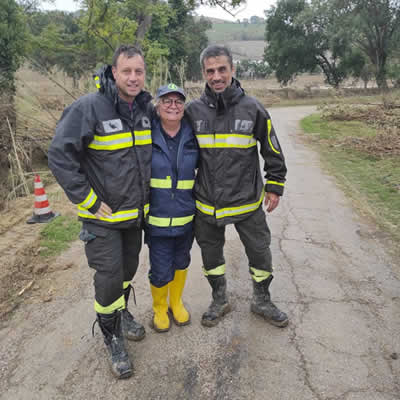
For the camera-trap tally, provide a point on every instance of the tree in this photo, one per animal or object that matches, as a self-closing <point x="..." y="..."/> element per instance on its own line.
<point x="253" y="69"/>
<point x="12" y="35"/>
<point x="181" y="36"/>
<point x="302" y="36"/>
<point x="12" y="42"/>
<point x="374" y="25"/>
<point x="76" y="43"/>
<point x="57" y="38"/>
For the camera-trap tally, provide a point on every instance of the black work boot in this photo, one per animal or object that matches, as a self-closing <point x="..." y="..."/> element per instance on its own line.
<point x="263" y="306"/>
<point x="219" y="306"/>
<point x="132" y="329"/>
<point x="110" y="325"/>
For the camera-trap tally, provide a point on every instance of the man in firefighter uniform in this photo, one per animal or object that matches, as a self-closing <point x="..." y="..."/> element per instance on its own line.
<point x="229" y="188"/>
<point x="101" y="156"/>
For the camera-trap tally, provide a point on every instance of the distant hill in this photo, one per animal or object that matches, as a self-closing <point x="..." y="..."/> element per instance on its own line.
<point x="246" y="40"/>
<point x="228" y="31"/>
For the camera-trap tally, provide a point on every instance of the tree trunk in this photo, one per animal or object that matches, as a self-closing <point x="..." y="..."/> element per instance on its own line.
<point x="7" y="111"/>
<point x="380" y="78"/>
<point x="144" y="26"/>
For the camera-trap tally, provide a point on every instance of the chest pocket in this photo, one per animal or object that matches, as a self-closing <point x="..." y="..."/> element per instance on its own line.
<point x="113" y="135"/>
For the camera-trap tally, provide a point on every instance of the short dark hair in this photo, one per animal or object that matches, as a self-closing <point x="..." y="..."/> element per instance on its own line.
<point x="215" y="51"/>
<point x="128" y="50"/>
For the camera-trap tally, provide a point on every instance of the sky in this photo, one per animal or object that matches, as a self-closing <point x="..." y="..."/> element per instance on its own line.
<point x="253" y="7"/>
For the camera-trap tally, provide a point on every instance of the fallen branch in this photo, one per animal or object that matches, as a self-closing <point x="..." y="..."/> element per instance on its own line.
<point x="27" y="287"/>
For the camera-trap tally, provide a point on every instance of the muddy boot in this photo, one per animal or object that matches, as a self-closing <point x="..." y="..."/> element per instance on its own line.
<point x="110" y="325"/>
<point x="263" y="306"/>
<point x="131" y="329"/>
<point x="219" y="306"/>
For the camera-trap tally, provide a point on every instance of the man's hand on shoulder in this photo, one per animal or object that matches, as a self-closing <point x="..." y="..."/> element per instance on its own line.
<point x="104" y="211"/>
<point x="271" y="201"/>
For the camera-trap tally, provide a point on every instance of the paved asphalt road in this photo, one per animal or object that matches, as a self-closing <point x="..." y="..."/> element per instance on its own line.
<point x="332" y="275"/>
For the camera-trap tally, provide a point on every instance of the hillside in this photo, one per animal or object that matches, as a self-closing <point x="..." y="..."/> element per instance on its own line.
<point x="246" y="40"/>
<point x="228" y="31"/>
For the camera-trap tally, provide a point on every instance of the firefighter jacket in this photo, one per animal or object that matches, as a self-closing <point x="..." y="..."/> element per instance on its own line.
<point x="101" y="152"/>
<point x="172" y="203"/>
<point x="228" y="126"/>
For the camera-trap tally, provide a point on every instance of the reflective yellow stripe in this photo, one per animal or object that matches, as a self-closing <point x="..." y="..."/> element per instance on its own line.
<point x="158" y="221"/>
<point x="119" y="216"/>
<point x="259" y="275"/>
<point x="164" y="222"/>
<point x="89" y="201"/>
<point x="180" y="221"/>
<point x="185" y="184"/>
<point x="161" y="183"/>
<point x="269" y="137"/>
<point x="142" y="137"/>
<point x="117" y="305"/>
<point x="204" y="208"/>
<point x="226" y="140"/>
<point x="275" y="183"/>
<point x="112" y="142"/>
<point x="167" y="183"/>
<point x="146" y="209"/>
<point x="126" y="284"/>
<point x="220" y="270"/>
<point x="230" y="211"/>
<point x="97" y="78"/>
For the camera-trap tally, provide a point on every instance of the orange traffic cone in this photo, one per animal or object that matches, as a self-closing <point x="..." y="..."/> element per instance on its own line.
<point x="42" y="211"/>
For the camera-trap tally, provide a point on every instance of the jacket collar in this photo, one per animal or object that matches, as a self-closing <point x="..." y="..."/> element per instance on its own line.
<point x="227" y="98"/>
<point x="157" y="136"/>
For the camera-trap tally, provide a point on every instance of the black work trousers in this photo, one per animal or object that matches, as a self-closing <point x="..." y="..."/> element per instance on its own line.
<point x="253" y="232"/>
<point x="114" y="255"/>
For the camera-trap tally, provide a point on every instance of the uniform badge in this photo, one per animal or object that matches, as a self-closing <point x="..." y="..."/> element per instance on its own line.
<point x="113" y="125"/>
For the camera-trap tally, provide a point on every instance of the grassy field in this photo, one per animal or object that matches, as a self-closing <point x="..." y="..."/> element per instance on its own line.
<point x="246" y="41"/>
<point x="227" y="31"/>
<point x="366" y="167"/>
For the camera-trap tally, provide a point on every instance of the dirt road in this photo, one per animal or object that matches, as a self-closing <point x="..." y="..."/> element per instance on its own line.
<point x="339" y="286"/>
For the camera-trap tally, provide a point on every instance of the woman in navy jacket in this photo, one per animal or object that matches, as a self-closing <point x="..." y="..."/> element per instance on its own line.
<point x="169" y="231"/>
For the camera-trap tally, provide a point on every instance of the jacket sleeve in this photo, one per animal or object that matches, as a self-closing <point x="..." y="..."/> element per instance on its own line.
<point x="66" y="153"/>
<point x="274" y="166"/>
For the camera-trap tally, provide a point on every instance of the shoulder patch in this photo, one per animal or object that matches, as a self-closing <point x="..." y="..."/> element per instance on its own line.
<point x="146" y="122"/>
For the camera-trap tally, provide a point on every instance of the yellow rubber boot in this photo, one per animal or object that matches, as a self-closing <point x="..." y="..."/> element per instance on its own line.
<point x="161" y="321"/>
<point x="179" y="312"/>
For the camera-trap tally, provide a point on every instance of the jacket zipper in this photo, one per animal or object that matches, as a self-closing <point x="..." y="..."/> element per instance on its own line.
<point x="132" y="128"/>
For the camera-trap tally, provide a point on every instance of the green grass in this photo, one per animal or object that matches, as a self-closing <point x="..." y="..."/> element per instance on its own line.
<point x="334" y="130"/>
<point x="57" y="235"/>
<point x="371" y="182"/>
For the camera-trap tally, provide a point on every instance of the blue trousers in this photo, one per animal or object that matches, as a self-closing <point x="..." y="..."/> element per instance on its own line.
<point x="168" y="254"/>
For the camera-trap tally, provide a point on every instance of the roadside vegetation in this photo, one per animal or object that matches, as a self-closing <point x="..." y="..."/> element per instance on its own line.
<point x="56" y="236"/>
<point x="360" y="146"/>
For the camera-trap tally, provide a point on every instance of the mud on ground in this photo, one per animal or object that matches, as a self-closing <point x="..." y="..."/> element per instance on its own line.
<point x="24" y="273"/>
<point x="384" y="117"/>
